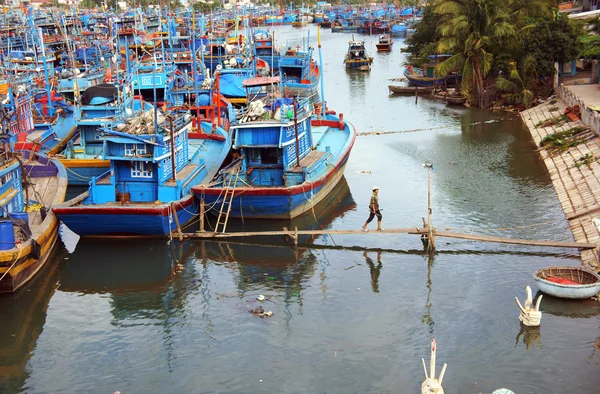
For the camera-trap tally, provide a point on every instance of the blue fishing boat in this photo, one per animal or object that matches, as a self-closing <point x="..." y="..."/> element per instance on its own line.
<point x="28" y="230"/>
<point x="357" y="57"/>
<point x="147" y="189"/>
<point x="299" y="73"/>
<point x="426" y="76"/>
<point x="287" y="161"/>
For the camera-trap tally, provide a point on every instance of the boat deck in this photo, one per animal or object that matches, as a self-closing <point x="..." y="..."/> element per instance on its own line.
<point x="308" y="160"/>
<point x="44" y="189"/>
<point x="181" y="175"/>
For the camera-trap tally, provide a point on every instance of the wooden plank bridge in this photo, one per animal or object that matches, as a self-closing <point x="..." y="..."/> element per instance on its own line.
<point x="422" y="231"/>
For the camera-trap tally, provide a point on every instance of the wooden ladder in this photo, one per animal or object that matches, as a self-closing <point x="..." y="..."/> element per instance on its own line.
<point x="229" y="192"/>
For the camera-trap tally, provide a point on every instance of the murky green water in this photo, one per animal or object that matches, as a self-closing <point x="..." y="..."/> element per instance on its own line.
<point x="122" y="316"/>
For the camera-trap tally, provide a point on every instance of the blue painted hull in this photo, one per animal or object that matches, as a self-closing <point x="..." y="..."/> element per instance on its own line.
<point x="415" y="80"/>
<point x="284" y="203"/>
<point x="138" y="219"/>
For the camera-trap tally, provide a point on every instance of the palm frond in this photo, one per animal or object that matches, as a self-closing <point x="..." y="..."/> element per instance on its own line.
<point x="505" y="85"/>
<point x="453" y="63"/>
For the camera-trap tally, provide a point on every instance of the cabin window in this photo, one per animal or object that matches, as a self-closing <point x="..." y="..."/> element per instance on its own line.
<point x="270" y="156"/>
<point x="139" y="169"/>
<point x="135" y="149"/>
<point x="254" y="156"/>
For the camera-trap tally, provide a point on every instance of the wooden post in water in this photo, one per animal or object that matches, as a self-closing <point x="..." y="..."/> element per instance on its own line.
<point x="176" y="218"/>
<point x="431" y="242"/>
<point x="416" y="95"/>
<point x="202" y="215"/>
<point x="296" y="130"/>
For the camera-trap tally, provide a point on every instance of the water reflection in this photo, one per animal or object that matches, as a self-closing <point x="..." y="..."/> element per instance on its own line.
<point x="569" y="308"/>
<point x="375" y="270"/>
<point x="427" y="319"/>
<point x="531" y="337"/>
<point x="23" y="315"/>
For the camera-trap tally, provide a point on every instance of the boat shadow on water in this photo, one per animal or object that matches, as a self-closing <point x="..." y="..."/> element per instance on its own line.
<point x="23" y="315"/>
<point x="267" y="259"/>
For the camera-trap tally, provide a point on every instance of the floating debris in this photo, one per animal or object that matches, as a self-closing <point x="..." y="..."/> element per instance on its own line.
<point x="260" y="297"/>
<point x="260" y="312"/>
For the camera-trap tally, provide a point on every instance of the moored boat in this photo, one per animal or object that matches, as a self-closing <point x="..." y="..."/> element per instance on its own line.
<point x="267" y="180"/>
<point x="568" y="282"/>
<point x="426" y="76"/>
<point x="357" y="57"/>
<point x="28" y="230"/>
<point x="404" y="89"/>
<point x="147" y="189"/>
<point x="385" y="43"/>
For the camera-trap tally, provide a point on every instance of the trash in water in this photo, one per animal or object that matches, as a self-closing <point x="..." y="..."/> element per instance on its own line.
<point x="260" y="297"/>
<point x="260" y="312"/>
<point x="358" y="288"/>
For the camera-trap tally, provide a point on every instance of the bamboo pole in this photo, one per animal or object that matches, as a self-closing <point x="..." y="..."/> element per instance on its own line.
<point x="176" y="218"/>
<point x="202" y="215"/>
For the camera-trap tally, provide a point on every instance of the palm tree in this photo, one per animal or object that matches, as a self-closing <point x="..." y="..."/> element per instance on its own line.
<point x="518" y="84"/>
<point x="469" y="28"/>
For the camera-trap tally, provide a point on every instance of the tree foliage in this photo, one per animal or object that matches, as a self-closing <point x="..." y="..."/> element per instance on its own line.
<point x="426" y="32"/>
<point x="551" y="40"/>
<point x="469" y="28"/>
<point x="520" y="83"/>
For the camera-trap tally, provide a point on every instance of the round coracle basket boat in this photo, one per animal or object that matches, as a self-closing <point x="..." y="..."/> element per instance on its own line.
<point x="568" y="282"/>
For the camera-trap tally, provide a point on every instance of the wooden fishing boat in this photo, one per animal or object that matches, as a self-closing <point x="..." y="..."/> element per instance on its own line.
<point x="455" y="100"/>
<point x="287" y="162"/>
<point x="568" y="282"/>
<point x="146" y="191"/>
<point x="385" y="43"/>
<point x="28" y="231"/>
<point x="405" y="89"/>
<point x="426" y="76"/>
<point x="357" y="57"/>
<point x="299" y="74"/>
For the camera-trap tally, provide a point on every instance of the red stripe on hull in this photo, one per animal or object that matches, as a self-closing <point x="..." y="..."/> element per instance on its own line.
<point x="162" y="209"/>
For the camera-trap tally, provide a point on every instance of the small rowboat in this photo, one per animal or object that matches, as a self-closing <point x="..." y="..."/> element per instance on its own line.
<point x="403" y="89"/>
<point x="568" y="282"/>
<point x="455" y="100"/>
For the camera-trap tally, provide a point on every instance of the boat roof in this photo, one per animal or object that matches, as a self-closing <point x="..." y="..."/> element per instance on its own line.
<point x="260" y="81"/>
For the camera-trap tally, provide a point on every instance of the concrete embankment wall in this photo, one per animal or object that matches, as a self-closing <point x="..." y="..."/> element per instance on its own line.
<point x="577" y="183"/>
<point x="582" y="95"/>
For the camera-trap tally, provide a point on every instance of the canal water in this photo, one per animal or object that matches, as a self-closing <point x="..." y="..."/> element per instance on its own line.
<point x="354" y="314"/>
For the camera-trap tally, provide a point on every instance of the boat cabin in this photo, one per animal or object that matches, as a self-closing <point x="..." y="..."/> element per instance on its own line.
<point x="141" y="165"/>
<point x="270" y="137"/>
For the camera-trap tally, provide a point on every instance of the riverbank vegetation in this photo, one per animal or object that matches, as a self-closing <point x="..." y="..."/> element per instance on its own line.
<point x="506" y="50"/>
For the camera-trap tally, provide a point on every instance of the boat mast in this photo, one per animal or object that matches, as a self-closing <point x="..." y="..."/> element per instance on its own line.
<point x="323" y="104"/>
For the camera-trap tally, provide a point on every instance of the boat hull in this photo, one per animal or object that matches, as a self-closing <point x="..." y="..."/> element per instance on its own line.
<point x="127" y="219"/>
<point x="416" y="80"/>
<point x="19" y="265"/>
<point x="358" y="64"/>
<point x="384" y="47"/>
<point x="274" y="202"/>
<point x="578" y="291"/>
